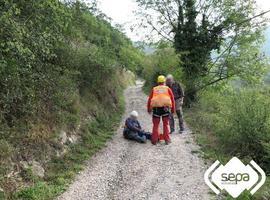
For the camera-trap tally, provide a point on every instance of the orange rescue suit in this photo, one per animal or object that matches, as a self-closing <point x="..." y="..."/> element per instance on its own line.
<point x="161" y="97"/>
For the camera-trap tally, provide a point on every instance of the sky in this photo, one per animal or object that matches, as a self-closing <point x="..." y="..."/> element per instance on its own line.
<point x="122" y="12"/>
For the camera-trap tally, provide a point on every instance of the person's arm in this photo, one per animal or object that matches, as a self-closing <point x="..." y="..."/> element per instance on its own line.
<point x="139" y="125"/>
<point x="131" y="127"/>
<point x="172" y="100"/>
<point x="149" y="109"/>
<point x="181" y="92"/>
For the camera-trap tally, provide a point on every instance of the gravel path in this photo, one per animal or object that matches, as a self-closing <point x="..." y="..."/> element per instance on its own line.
<point x="128" y="170"/>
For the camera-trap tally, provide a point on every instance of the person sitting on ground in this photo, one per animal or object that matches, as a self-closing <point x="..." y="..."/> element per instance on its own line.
<point x="133" y="129"/>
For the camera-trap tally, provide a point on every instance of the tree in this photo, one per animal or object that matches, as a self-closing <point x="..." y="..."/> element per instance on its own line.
<point x="213" y="37"/>
<point x="163" y="61"/>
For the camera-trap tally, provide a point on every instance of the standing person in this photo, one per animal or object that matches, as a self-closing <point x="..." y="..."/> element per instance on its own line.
<point x="161" y="103"/>
<point x="178" y="93"/>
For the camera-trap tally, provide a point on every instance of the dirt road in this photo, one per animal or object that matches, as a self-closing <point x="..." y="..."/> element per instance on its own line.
<point x="128" y="170"/>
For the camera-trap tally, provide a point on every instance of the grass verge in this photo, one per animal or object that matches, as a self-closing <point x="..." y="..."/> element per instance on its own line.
<point x="206" y="139"/>
<point x="61" y="171"/>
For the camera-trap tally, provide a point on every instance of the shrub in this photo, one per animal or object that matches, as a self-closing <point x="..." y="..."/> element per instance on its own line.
<point x="240" y="121"/>
<point x="5" y="150"/>
<point x="163" y="61"/>
<point x="60" y="63"/>
<point x="244" y="126"/>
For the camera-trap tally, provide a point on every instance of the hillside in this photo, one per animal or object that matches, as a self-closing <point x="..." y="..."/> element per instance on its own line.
<point x="62" y="72"/>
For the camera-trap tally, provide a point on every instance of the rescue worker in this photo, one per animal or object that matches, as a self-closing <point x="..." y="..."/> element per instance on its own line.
<point x="133" y="129"/>
<point x="161" y="104"/>
<point x="178" y="93"/>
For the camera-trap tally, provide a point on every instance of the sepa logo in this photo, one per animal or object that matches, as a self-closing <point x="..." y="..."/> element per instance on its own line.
<point x="234" y="177"/>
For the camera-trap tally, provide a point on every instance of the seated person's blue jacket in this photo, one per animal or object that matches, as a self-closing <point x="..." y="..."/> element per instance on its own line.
<point x="133" y="125"/>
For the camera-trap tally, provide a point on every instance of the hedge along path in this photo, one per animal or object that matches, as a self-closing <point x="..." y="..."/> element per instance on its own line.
<point x="128" y="170"/>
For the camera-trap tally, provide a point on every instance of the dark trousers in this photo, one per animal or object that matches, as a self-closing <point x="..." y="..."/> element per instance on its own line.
<point x="146" y="134"/>
<point x="180" y="118"/>
<point x="137" y="136"/>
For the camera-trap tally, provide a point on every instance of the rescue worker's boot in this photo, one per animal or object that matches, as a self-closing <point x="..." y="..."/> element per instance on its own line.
<point x="168" y="142"/>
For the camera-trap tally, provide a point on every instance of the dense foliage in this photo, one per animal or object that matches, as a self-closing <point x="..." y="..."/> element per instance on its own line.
<point x="234" y="122"/>
<point x="55" y="58"/>
<point x="209" y="35"/>
<point x="163" y="61"/>
<point x="241" y="120"/>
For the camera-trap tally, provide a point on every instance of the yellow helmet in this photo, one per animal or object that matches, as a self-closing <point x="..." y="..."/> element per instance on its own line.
<point x="161" y="79"/>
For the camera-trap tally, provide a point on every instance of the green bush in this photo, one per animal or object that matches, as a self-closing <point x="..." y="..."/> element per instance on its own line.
<point x="53" y="52"/>
<point x="240" y="121"/>
<point x="163" y="61"/>
<point x="39" y="191"/>
<point x="244" y="126"/>
<point x="5" y="150"/>
<point x="6" y="153"/>
<point x="27" y="175"/>
<point x="234" y="123"/>
<point x="59" y="63"/>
